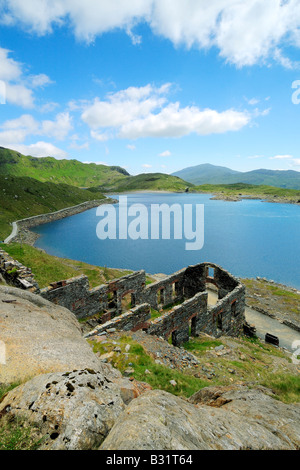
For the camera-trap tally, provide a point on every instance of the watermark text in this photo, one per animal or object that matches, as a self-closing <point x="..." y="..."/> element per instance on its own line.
<point x="2" y="353"/>
<point x="2" y="92"/>
<point x="136" y="221"/>
<point x="296" y="94"/>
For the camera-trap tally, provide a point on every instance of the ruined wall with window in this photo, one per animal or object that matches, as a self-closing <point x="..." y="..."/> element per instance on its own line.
<point x="180" y="300"/>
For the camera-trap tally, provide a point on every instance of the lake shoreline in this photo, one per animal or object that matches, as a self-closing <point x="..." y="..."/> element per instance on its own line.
<point x="216" y="196"/>
<point x="21" y="232"/>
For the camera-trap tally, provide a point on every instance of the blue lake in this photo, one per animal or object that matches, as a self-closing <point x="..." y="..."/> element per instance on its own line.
<point x="248" y="238"/>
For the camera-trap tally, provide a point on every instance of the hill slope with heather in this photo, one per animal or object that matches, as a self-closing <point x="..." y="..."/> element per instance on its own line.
<point x="23" y="197"/>
<point x="70" y="172"/>
<point x="147" y="182"/>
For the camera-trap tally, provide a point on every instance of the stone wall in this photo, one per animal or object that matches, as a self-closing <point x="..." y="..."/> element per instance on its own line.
<point x="126" y="302"/>
<point x="166" y="291"/>
<point x="106" y="299"/>
<point x="192" y="313"/>
<point x="25" y="224"/>
<point x="17" y="275"/>
<point x="135" y="319"/>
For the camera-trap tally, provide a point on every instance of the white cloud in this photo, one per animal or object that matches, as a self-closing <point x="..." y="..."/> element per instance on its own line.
<point x="100" y="137"/>
<point x="146" y="166"/>
<point x="39" y="81"/>
<point x="131" y="147"/>
<point x="84" y="146"/>
<point x="97" y="163"/>
<point x="40" y="150"/>
<point x="48" y="107"/>
<point x="9" y="68"/>
<point x="257" y="112"/>
<point x="245" y="32"/>
<point x="167" y="153"/>
<point x="123" y="106"/>
<point x="14" y="132"/>
<point x="145" y="112"/>
<point x="18" y="87"/>
<point x="252" y="101"/>
<point x="12" y="136"/>
<point x="26" y="122"/>
<point x="285" y="61"/>
<point x="89" y="18"/>
<point x="174" y="121"/>
<point x="282" y="157"/>
<point x="59" y="128"/>
<point x="19" y="95"/>
<point x="291" y="161"/>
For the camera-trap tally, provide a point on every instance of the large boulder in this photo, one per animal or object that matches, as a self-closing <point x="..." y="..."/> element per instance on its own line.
<point x="40" y="337"/>
<point x="243" y="419"/>
<point x="67" y="411"/>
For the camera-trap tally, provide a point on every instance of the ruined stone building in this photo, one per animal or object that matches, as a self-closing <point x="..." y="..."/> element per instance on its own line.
<point x="181" y="299"/>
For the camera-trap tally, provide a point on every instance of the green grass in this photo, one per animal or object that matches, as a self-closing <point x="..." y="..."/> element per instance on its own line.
<point x="149" y="181"/>
<point x="4" y="389"/>
<point x="272" y="298"/>
<point x="283" y="293"/>
<point x="71" y="172"/>
<point x="22" y="197"/>
<point x="15" y="434"/>
<point x="250" y="362"/>
<point x="155" y="314"/>
<point x="159" y="377"/>
<point x="201" y="345"/>
<point x="286" y="387"/>
<point x="47" y="268"/>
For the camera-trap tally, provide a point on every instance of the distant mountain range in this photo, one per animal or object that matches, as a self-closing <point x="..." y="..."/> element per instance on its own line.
<point x="95" y="177"/>
<point x="114" y="178"/>
<point x="211" y="174"/>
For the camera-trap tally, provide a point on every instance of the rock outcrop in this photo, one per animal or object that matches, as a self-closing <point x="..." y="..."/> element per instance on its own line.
<point x="69" y="411"/>
<point x="40" y="337"/>
<point x="240" y="419"/>
<point x="73" y="400"/>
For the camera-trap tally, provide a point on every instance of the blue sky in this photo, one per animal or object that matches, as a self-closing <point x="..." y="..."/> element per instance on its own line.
<point x="152" y="85"/>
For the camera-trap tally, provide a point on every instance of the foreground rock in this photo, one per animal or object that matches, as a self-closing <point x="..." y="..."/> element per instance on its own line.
<point x="40" y="337"/>
<point x="69" y="411"/>
<point x="240" y="418"/>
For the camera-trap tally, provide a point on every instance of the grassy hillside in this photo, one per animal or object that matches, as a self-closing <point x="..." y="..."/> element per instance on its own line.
<point x="47" y="268"/>
<point x="22" y="197"/>
<point x="242" y="360"/>
<point x="70" y="172"/>
<point x="211" y="174"/>
<point x="237" y="190"/>
<point x="149" y="181"/>
<point x="281" y="178"/>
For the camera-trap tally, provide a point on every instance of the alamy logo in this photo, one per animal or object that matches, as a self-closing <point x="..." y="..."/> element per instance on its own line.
<point x="135" y="221"/>
<point x="296" y="94"/>
<point x="296" y="353"/>
<point x="2" y="353"/>
<point x="2" y="92"/>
